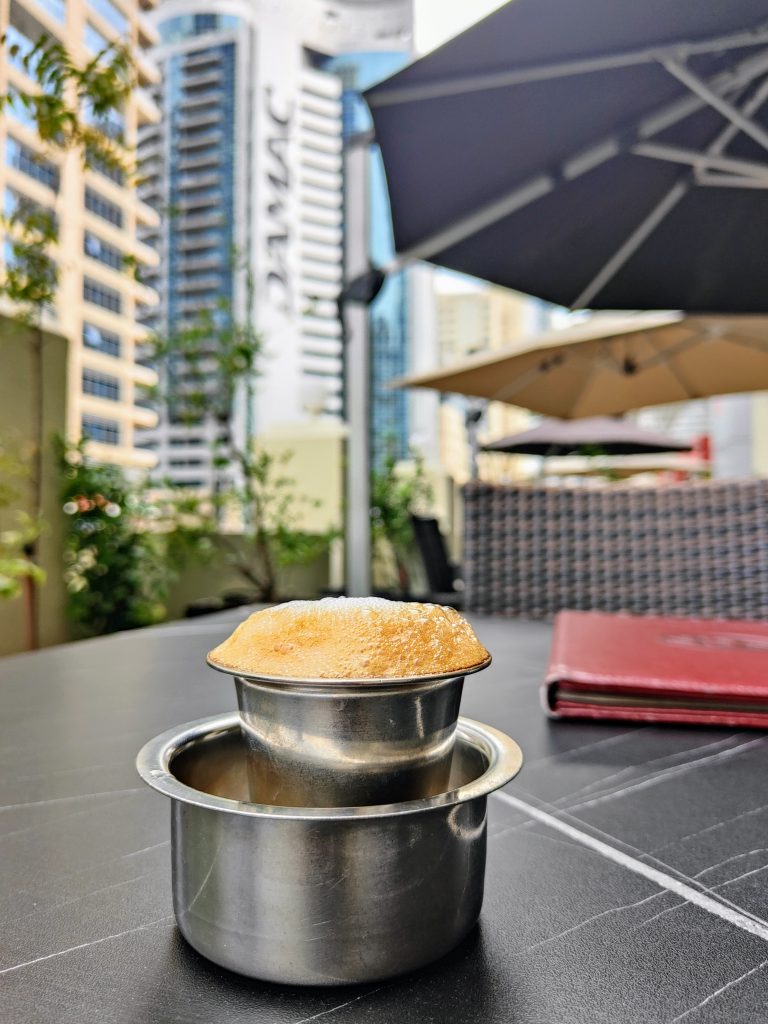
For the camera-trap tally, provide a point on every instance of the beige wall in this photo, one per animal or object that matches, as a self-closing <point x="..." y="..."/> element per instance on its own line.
<point x="216" y="578"/>
<point x="18" y="430"/>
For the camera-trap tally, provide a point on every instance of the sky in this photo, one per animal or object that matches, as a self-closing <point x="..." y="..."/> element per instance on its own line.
<point x="438" y="20"/>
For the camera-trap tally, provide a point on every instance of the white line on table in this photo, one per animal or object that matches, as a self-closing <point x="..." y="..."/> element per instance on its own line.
<point x="660" y="878"/>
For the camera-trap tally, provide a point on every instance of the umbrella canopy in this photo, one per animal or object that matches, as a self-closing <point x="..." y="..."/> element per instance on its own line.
<point x="563" y="437"/>
<point x="597" y="153"/>
<point x="609" y="364"/>
<point x="625" y="466"/>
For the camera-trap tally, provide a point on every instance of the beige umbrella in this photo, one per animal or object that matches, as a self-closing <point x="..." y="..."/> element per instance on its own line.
<point x="610" y="364"/>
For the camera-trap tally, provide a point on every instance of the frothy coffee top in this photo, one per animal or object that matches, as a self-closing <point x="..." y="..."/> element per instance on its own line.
<point x="351" y="638"/>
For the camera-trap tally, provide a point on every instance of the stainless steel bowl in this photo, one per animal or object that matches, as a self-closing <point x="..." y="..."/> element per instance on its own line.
<point x="311" y="896"/>
<point x="325" y="743"/>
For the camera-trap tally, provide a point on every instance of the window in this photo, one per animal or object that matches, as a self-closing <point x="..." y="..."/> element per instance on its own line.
<point x="100" y="340"/>
<point x="102" y="296"/>
<point x="56" y="8"/>
<point x="101" y="251"/>
<point x="111" y="14"/>
<point x="93" y="39"/>
<point x="102" y="385"/>
<point x="180" y="463"/>
<point x="97" y="163"/>
<point x="28" y="162"/>
<point x="103" y="207"/>
<point x="185" y="442"/>
<point x="16" y="202"/>
<point x="110" y="124"/>
<point x="18" y="46"/>
<point x="97" y="429"/>
<point x="19" y="110"/>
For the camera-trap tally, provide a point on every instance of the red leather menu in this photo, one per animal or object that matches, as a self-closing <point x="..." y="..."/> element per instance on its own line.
<point x="654" y="669"/>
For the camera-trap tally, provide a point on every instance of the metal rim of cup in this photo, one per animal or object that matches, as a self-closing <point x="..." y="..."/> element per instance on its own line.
<point x="153" y="764"/>
<point x="371" y="683"/>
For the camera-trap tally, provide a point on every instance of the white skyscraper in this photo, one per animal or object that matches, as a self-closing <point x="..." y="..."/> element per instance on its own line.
<point x="249" y="155"/>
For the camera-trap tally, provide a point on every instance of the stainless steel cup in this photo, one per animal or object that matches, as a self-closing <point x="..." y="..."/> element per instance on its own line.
<point x="328" y="743"/>
<point x="312" y="896"/>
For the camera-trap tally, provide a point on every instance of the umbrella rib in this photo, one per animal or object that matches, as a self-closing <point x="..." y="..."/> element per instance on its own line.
<point x="609" y="270"/>
<point x="663" y="359"/>
<point x="702" y="161"/>
<point x="542" y="72"/>
<point x="574" y="166"/>
<point x="630" y="246"/>
<point x="728" y="110"/>
<point x="757" y="344"/>
<point x="503" y="394"/>
<point x="663" y="355"/>
<point x="729" y="181"/>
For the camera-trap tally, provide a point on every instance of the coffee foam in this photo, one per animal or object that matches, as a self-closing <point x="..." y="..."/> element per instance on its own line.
<point x="351" y="638"/>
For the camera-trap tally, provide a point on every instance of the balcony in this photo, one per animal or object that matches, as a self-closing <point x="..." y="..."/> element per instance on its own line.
<point x="192" y="263"/>
<point x="199" y="203"/>
<point x="200" y="141"/>
<point x="147" y="110"/>
<point x="204" y="241"/>
<point x="210" y="117"/>
<point x="148" y="72"/>
<point x="192" y="181"/>
<point x="144" y="417"/>
<point x="315" y="270"/>
<point x="200" y="98"/>
<point x="146" y="215"/>
<point x="148" y="34"/>
<point x="212" y="159"/>
<point x="201" y="284"/>
<point x="203" y="220"/>
<point x="201" y="60"/>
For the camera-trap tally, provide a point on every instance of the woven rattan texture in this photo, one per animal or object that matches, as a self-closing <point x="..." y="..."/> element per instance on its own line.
<point x="687" y="549"/>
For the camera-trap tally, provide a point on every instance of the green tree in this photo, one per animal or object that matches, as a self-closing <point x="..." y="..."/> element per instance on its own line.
<point x="116" y="571"/>
<point x="397" y="493"/>
<point x="68" y="105"/>
<point x="16" y="568"/>
<point x="203" y="366"/>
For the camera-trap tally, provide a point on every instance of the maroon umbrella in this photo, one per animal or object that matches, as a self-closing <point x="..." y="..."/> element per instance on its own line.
<point x="603" y="435"/>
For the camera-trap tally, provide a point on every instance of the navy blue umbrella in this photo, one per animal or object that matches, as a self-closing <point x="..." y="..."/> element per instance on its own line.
<point x="597" y="153"/>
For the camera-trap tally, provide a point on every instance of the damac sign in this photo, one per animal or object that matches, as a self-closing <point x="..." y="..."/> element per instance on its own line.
<point x="278" y="283"/>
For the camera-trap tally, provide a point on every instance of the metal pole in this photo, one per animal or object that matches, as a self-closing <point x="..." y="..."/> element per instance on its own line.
<point x="357" y="370"/>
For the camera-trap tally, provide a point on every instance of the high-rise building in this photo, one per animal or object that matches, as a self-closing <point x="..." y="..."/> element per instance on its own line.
<point x="98" y="214"/>
<point x="473" y="319"/>
<point x="249" y="156"/>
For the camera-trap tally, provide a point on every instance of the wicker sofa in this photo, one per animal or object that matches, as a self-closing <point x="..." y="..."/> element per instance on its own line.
<point x="686" y="549"/>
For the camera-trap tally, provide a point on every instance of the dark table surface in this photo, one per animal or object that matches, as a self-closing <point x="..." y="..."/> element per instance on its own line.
<point x="627" y="866"/>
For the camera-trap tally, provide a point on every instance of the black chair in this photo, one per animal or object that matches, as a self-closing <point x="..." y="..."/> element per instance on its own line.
<point x="445" y="586"/>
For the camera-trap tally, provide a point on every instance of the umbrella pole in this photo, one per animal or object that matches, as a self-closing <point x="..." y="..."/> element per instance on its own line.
<point x="354" y="317"/>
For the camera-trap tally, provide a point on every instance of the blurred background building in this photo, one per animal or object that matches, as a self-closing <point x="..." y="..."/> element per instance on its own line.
<point x="99" y="216"/>
<point x="474" y="318"/>
<point x="248" y="157"/>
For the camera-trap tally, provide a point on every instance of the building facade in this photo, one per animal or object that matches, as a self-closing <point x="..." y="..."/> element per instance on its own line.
<point x="477" y="319"/>
<point x="249" y="158"/>
<point x="99" y="217"/>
